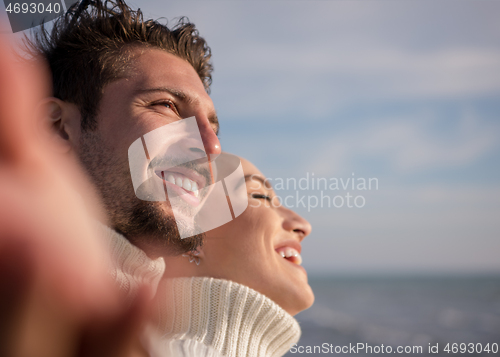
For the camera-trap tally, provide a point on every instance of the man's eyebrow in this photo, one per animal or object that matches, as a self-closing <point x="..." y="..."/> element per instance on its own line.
<point x="183" y="97"/>
<point x="175" y="92"/>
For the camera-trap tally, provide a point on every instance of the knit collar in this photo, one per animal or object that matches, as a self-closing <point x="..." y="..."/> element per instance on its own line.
<point x="228" y="317"/>
<point x="131" y="267"/>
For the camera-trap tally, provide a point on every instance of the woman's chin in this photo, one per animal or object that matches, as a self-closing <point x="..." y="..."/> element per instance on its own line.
<point x="300" y="296"/>
<point x="300" y="299"/>
<point x="307" y="300"/>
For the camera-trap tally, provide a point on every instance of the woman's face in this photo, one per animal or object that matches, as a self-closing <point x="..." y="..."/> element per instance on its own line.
<point x="260" y="248"/>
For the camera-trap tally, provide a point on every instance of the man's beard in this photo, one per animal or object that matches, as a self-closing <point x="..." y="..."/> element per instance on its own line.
<point x="149" y="225"/>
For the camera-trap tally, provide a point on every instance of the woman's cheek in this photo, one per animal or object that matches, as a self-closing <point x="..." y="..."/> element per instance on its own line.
<point x="254" y="203"/>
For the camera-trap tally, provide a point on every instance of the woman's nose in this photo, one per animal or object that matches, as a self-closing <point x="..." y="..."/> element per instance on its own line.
<point x="209" y="137"/>
<point x="294" y="223"/>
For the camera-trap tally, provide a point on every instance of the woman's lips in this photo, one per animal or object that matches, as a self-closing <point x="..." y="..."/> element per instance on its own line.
<point x="290" y="254"/>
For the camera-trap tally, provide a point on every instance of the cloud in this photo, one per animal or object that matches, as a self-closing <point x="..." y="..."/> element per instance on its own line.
<point x="277" y="59"/>
<point x="420" y="229"/>
<point x="410" y="144"/>
<point x="334" y="87"/>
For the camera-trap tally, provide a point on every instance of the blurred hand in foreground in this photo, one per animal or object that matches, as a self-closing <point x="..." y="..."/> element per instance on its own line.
<point x="56" y="296"/>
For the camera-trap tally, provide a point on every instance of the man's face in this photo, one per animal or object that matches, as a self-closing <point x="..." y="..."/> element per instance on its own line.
<point x="159" y="89"/>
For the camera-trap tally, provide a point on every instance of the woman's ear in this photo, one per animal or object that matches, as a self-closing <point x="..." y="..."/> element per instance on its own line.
<point x="59" y="123"/>
<point x="199" y="252"/>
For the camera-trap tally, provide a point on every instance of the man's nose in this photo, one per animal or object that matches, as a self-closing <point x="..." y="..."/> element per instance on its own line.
<point x="210" y="140"/>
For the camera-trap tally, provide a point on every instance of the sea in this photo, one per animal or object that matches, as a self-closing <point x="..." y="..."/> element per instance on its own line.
<point x="444" y="316"/>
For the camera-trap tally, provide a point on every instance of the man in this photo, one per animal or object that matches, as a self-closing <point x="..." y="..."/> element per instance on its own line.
<point x="115" y="77"/>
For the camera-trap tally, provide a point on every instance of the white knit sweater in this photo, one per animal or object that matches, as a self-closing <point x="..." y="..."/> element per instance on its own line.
<point x="230" y="318"/>
<point x="202" y="317"/>
<point x="131" y="267"/>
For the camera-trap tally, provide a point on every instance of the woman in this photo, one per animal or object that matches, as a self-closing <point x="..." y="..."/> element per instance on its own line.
<point x="235" y="296"/>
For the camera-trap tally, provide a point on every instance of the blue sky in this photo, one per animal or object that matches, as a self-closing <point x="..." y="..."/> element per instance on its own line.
<point x="406" y="92"/>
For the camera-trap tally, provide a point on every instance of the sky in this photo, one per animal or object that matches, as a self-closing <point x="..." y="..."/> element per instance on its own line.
<point x="402" y="92"/>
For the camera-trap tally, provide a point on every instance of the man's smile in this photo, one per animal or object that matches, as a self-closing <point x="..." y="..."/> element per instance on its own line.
<point x="181" y="181"/>
<point x="185" y="182"/>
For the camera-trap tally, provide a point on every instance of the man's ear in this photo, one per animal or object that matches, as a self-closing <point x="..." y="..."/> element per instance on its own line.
<point x="59" y="123"/>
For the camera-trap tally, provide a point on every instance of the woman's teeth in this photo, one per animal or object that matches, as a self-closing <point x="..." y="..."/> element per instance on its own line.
<point x="183" y="182"/>
<point x="290" y="254"/>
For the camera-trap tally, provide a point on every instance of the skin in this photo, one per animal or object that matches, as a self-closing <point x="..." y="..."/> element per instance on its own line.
<point x="55" y="293"/>
<point x="131" y="107"/>
<point x="244" y="250"/>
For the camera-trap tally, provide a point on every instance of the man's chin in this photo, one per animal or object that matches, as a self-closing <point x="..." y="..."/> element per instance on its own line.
<point x="152" y="227"/>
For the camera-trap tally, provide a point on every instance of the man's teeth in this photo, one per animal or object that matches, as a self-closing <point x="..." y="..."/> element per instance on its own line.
<point x="183" y="182"/>
<point x="291" y="255"/>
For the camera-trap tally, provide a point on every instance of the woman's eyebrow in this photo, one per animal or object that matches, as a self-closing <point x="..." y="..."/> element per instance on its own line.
<point x="255" y="177"/>
<point x="249" y="178"/>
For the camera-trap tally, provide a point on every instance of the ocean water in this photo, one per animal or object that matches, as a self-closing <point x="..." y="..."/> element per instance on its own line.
<point x="394" y="312"/>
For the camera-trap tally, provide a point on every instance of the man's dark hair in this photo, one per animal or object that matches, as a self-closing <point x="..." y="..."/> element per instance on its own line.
<point x="89" y="47"/>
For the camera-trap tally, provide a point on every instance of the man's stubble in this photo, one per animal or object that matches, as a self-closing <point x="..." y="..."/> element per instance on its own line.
<point x="148" y="225"/>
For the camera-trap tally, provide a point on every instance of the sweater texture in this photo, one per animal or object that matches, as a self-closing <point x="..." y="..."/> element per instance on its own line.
<point x="131" y="267"/>
<point x="229" y="318"/>
<point x="201" y="316"/>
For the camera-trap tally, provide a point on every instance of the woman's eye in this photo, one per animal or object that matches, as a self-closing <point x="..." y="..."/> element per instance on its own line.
<point x="261" y="196"/>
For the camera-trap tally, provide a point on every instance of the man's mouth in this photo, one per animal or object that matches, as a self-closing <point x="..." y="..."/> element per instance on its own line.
<point x="185" y="182"/>
<point x="182" y="181"/>
<point x="290" y="254"/>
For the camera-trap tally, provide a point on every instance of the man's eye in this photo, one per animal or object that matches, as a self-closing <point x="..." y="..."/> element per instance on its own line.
<point x="261" y="196"/>
<point x="168" y="104"/>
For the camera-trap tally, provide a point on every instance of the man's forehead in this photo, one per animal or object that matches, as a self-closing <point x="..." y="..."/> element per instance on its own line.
<point x="157" y="68"/>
